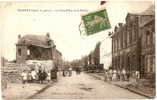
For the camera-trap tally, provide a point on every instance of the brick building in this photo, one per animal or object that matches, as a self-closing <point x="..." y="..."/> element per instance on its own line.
<point x="147" y="32"/>
<point x="129" y="41"/>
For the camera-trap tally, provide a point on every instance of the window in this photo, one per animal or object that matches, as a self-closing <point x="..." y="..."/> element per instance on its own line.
<point x="128" y="37"/>
<point x="148" y="38"/>
<point x="153" y="38"/>
<point x="130" y="33"/>
<point x="19" y="52"/>
<point x="133" y="32"/>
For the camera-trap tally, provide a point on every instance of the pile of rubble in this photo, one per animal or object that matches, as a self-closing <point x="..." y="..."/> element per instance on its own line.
<point x="11" y="72"/>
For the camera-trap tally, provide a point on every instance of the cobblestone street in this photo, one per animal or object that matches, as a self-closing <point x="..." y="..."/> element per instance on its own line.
<point x="84" y="87"/>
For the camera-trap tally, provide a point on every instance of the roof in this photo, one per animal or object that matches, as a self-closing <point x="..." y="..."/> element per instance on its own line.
<point x="36" y="40"/>
<point x="58" y="52"/>
<point x="148" y="12"/>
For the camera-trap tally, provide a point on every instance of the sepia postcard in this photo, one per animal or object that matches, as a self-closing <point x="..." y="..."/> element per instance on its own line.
<point x="77" y="50"/>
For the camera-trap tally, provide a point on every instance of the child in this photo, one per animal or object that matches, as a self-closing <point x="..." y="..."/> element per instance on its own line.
<point x="24" y="77"/>
<point x="49" y="76"/>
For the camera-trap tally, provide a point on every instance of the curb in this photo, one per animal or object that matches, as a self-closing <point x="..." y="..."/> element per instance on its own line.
<point x="41" y="90"/>
<point x="129" y="89"/>
<point x="132" y="90"/>
<point x="137" y="92"/>
<point x="140" y="93"/>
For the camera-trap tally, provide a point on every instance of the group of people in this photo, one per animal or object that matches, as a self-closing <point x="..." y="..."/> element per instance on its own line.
<point x="120" y="75"/>
<point x="78" y="70"/>
<point x="67" y="71"/>
<point x="38" y="76"/>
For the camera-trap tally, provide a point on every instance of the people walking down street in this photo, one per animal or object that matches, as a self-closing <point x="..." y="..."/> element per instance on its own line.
<point x="110" y="74"/>
<point x="64" y="72"/>
<point x="24" y="76"/>
<point x="70" y="71"/>
<point x="78" y="70"/>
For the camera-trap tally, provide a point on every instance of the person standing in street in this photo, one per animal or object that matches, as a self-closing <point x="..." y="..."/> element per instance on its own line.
<point x="24" y="76"/>
<point x="114" y="76"/>
<point x="48" y="76"/>
<point x="64" y="72"/>
<point x="137" y="74"/>
<point x="124" y="75"/>
<point x="118" y="75"/>
<point x="29" y="77"/>
<point x="33" y="74"/>
<point x="40" y="75"/>
<point x="105" y="75"/>
<point x="54" y="73"/>
<point x="110" y="74"/>
<point x="70" y="71"/>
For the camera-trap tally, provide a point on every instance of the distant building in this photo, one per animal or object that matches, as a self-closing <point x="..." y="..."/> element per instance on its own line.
<point x="94" y="58"/>
<point x="35" y="47"/>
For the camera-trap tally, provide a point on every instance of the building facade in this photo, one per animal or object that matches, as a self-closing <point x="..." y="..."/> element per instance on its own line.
<point x="147" y="30"/>
<point x="35" y="47"/>
<point x="57" y="57"/>
<point x="132" y="48"/>
<point x="93" y="59"/>
<point x="125" y="45"/>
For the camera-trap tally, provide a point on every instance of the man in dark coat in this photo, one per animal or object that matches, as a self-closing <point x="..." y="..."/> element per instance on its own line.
<point x="54" y="73"/>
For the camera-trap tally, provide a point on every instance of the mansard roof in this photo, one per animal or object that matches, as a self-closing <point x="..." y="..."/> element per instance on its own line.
<point x="148" y="12"/>
<point x="36" y="40"/>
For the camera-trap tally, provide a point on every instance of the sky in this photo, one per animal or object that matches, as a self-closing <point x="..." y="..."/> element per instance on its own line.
<point x="61" y="20"/>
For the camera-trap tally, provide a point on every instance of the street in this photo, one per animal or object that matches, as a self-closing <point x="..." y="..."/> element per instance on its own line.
<point x="84" y="86"/>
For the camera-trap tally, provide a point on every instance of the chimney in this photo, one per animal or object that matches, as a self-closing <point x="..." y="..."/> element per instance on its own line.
<point x="120" y="24"/>
<point x="115" y="29"/>
<point x="48" y="34"/>
<point x="110" y="33"/>
<point x="19" y="36"/>
<point x="102" y="2"/>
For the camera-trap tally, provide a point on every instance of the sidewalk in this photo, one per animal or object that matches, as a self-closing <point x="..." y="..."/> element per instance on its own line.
<point x="21" y="91"/>
<point x="141" y="90"/>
